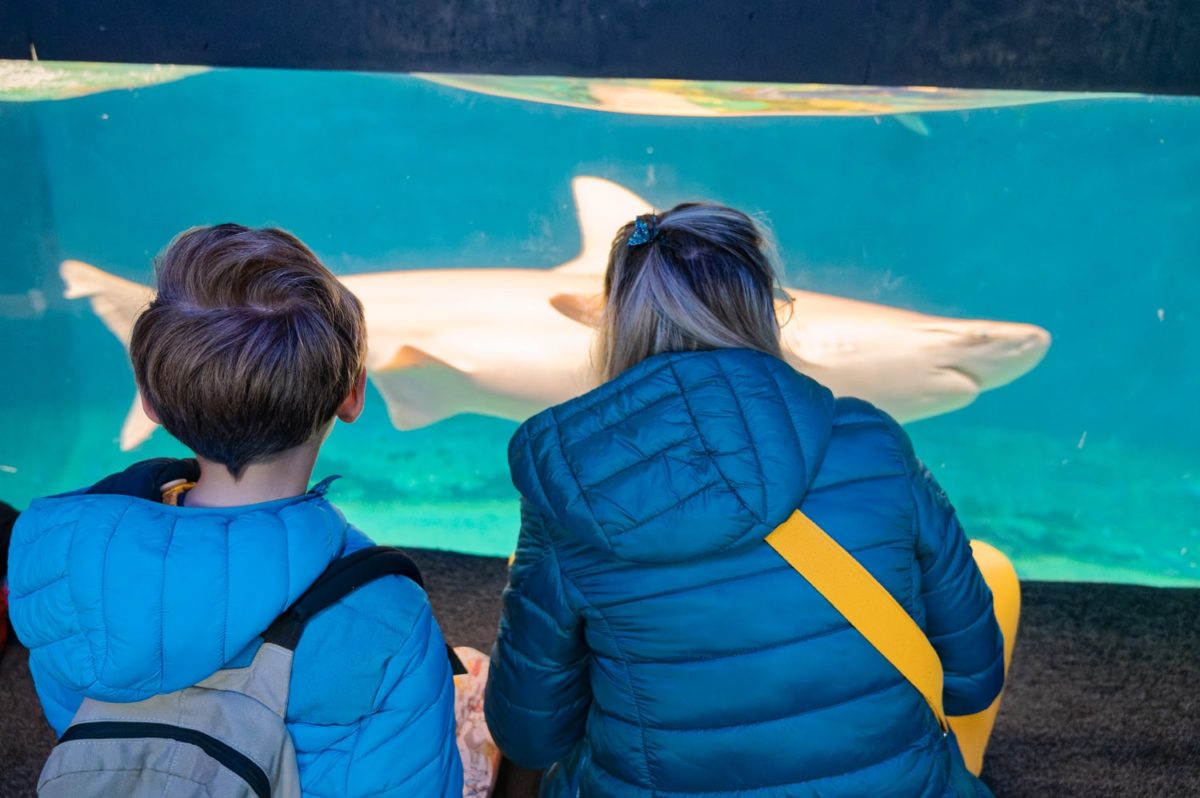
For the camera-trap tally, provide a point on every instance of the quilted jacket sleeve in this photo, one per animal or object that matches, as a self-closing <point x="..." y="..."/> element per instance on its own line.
<point x="58" y="702"/>
<point x="959" y="617"/>
<point x="377" y="697"/>
<point x="538" y="690"/>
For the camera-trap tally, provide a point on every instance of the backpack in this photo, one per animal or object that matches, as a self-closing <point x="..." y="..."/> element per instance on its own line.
<point x="225" y="736"/>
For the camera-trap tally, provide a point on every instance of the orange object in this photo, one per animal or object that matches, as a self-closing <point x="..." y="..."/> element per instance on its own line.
<point x="172" y="491"/>
<point x="973" y="731"/>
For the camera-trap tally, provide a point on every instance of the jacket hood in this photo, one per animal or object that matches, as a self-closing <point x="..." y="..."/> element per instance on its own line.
<point x="683" y="456"/>
<point x="122" y="598"/>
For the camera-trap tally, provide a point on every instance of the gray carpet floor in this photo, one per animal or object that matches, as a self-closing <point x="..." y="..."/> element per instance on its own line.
<point x="1102" y="698"/>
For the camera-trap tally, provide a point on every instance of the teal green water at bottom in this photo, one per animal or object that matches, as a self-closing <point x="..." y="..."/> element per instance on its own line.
<point x="1103" y="511"/>
<point x="1061" y="520"/>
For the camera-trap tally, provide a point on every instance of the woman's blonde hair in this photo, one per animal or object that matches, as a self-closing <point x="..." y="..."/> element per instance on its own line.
<point x="699" y="276"/>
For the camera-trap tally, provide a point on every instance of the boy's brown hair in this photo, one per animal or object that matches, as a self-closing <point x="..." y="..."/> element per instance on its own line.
<point x="250" y="345"/>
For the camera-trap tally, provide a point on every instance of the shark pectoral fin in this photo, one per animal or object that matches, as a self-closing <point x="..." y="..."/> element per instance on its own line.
<point x="602" y="208"/>
<point x="587" y="309"/>
<point x="420" y="389"/>
<point x="137" y="427"/>
<point x="115" y="300"/>
<point x="410" y="357"/>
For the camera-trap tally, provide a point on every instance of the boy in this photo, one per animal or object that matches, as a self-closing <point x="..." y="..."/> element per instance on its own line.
<point x="248" y="353"/>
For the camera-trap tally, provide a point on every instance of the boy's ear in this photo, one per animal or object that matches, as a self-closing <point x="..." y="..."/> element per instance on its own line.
<point x="352" y="406"/>
<point x="149" y="410"/>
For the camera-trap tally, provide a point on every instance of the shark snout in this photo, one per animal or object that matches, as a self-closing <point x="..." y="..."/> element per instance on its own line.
<point x="993" y="354"/>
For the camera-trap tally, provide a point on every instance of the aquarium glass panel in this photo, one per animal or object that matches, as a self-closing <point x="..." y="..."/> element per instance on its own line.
<point x="1012" y="275"/>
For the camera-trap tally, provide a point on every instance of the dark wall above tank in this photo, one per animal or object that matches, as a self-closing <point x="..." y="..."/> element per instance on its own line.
<point x="1100" y="45"/>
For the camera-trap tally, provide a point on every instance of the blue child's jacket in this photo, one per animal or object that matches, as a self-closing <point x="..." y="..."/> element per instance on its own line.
<point x="119" y="598"/>
<point x="652" y="644"/>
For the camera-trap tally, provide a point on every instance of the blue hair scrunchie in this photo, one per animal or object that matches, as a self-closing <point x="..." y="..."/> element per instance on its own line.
<point x="645" y="230"/>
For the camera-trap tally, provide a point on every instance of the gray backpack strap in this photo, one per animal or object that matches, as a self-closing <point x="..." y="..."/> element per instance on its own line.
<point x="267" y="679"/>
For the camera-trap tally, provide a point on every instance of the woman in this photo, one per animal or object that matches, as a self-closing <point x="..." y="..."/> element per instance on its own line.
<point x="652" y="643"/>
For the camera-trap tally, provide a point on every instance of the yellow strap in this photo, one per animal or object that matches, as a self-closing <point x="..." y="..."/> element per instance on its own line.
<point x="864" y="602"/>
<point x="172" y="490"/>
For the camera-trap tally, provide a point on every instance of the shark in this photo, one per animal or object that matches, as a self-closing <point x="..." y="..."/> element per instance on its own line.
<point x="729" y="99"/>
<point x="510" y="342"/>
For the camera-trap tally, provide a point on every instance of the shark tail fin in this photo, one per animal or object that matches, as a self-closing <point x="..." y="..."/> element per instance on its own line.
<point x="602" y="207"/>
<point x="117" y="302"/>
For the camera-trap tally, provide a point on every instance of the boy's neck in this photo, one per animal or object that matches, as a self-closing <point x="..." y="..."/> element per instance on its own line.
<point x="285" y="475"/>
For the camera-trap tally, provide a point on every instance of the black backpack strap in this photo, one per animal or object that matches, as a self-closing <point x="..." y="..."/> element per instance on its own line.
<point x="145" y="479"/>
<point x="344" y="576"/>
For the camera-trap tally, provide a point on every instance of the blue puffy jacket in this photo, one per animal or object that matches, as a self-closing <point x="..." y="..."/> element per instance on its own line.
<point x="653" y="645"/>
<point x="119" y="598"/>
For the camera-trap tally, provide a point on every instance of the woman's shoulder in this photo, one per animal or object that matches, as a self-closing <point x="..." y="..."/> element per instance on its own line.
<point x="867" y="449"/>
<point x="851" y="413"/>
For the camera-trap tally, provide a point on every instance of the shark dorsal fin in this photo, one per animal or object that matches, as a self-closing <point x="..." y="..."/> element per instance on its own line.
<point x="602" y="207"/>
<point x="586" y="309"/>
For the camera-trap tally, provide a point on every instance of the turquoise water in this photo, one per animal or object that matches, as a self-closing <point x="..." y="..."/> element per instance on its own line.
<point x="1081" y="217"/>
